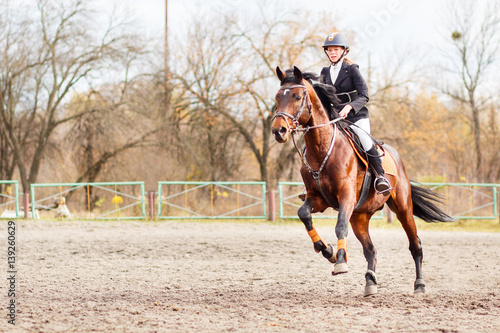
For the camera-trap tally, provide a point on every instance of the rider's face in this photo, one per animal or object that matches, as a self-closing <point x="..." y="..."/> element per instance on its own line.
<point x="334" y="53"/>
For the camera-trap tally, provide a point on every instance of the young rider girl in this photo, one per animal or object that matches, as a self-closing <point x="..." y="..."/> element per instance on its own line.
<point x="352" y="90"/>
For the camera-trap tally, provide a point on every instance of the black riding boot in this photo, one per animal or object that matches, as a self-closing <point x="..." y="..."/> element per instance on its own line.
<point x="382" y="185"/>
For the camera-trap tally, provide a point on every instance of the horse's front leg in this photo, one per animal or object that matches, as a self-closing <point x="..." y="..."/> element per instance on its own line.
<point x="319" y="244"/>
<point x="341" y="229"/>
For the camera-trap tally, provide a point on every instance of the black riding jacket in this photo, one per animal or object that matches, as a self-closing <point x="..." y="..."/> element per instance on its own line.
<point x="349" y="80"/>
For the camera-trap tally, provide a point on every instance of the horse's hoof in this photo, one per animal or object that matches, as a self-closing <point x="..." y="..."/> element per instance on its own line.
<point x="371" y="283"/>
<point x="302" y="196"/>
<point x="371" y="290"/>
<point x="340" y="268"/>
<point x="332" y="259"/>
<point x="420" y="290"/>
<point x="419" y="287"/>
<point x="329" y="254"/>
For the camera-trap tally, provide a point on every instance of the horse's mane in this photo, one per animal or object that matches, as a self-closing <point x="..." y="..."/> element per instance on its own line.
<point x="325" y="92"/>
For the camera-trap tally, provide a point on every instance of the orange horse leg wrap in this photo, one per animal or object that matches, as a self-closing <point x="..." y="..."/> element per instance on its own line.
<point x="315" y="238"/>
<point x="342" y="244"/>
<point x="314" y="235"/>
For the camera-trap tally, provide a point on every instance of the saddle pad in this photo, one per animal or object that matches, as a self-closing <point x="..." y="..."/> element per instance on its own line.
<point x="388" y="164"/>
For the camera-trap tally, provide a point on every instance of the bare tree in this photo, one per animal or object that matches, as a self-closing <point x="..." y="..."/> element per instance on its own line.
<point x="474" y="34"/>
<point x="7" y="164"/>
<point x="204" y="141"/>
<point x="44" y="58"/>
<point x="230" y="71"/>
<point x="274" y="40"/>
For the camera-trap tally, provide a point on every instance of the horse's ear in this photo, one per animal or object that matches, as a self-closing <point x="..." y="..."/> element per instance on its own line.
<point x="297" y="73"/>
<point x="280" y="74"/>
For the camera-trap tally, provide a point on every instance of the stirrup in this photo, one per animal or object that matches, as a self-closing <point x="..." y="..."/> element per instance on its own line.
<point x="382" y="185"/>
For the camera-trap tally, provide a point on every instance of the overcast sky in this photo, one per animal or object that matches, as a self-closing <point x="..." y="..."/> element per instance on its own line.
<point x="379" y="24"/>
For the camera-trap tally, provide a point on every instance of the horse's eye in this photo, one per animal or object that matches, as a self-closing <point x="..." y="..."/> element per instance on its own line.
<point x="297" y="97"/>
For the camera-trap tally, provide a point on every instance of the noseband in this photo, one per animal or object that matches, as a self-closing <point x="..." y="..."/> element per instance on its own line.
<point x="297" y="128"/>
<point x="295" y="119"/>
<point x="298" y="114"/>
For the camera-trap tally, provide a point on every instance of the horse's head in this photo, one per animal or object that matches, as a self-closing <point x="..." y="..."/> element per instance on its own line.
<point x="293" y="105"/>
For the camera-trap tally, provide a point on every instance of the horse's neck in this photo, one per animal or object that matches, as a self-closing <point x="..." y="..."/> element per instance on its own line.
<point x="319" y="139"/>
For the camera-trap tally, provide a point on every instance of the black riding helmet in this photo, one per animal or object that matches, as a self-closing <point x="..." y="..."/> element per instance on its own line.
<point x="336" y="39"/>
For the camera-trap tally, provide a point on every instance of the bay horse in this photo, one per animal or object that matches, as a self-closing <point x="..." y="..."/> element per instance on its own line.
<point x="333" y="175"/>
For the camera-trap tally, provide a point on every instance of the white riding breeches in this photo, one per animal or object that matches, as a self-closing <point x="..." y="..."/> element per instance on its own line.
<point x="362" y="129"/>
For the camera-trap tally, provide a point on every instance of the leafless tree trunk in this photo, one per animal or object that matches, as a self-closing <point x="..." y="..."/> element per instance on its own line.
<point x="42" y="62"/>
<point x="475" y="38"/>
<point x="231" y="71"/>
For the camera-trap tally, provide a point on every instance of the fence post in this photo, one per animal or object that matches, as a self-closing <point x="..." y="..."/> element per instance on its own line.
<point x="26" y="202"/>
<point x="151" y="205"/>
<point x="388" y="212"/>
<point x="495" y="204"/>
<point x="272" y="205"/>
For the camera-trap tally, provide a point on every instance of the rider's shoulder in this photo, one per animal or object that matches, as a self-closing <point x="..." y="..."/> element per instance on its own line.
<point x="350" y="65"/>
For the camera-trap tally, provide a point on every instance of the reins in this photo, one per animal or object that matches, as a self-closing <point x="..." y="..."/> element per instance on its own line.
<point x="298" y="128"/>
<point x="316" y="174"/>
<point x="295" y="119"/>
<point x="330" y="149"/>
<point x="375" y="142"/>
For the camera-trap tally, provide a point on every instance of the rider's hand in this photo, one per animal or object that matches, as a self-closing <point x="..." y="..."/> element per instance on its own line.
<point x="345" y="111"/>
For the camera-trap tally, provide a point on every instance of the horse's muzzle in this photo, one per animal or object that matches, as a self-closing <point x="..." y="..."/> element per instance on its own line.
<point x="280" y="134"/>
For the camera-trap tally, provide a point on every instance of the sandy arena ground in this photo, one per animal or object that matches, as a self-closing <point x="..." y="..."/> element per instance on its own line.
<point x="242" y="277"/>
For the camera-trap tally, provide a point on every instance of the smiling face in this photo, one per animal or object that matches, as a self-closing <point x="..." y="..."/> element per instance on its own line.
<point x="334" y="53"/>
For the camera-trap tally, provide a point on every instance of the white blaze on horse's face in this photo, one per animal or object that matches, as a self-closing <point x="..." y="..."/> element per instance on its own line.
<point x="290" y="104"/>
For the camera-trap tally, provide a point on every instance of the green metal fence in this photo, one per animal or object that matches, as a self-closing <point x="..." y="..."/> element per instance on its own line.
<point x="460" y="200"/>
<point x="103" y="201"/>
<point x="9" y="199"/>
<point x="289" y="202"/>
<point x="471" y="201"/>
<point x="211" y="200"/>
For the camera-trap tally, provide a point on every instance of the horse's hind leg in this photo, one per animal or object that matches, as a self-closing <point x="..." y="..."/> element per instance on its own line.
<point x="404" y="213"/>
<point x="359" y="223"/>
<point x="319" y="245"/>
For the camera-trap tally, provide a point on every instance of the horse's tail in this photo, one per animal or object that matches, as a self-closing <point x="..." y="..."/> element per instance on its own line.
<point x="424" y="205"/>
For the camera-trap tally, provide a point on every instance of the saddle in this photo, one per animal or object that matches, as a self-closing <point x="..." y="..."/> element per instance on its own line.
<point x="388" y="164"/>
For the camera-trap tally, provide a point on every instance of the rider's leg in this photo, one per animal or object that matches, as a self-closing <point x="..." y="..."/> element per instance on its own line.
<point x="362" y="129"/>
<point x="381" y="183"/>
